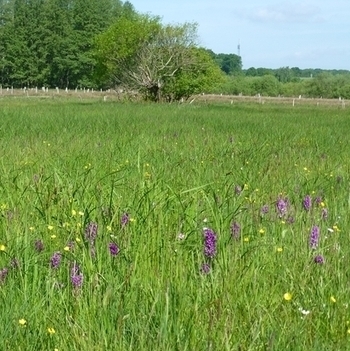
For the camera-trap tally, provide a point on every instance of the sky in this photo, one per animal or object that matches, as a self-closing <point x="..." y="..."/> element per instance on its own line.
<point x="270" y="33"/>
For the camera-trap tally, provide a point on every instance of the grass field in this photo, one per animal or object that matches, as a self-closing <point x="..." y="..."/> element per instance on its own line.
<point x="174" y="227"/>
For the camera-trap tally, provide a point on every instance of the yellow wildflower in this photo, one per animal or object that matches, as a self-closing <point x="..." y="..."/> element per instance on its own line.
<point x="66" y="248"/>
<point x="262" y="231"/>
<point x="287" y="296"/>
<point x="333" y="299"/>
<point x="2" y="248"/>
<point x="50" y="227"/>
<point x="51" y="331"/>
<point x="53" y="236"/>
<point x="22" y="322"/>
<point x="279" y="249"/>
<point x="74" y="212"/>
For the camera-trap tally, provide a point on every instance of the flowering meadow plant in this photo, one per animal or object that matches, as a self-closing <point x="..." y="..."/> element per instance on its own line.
<point x="102" y="209"/>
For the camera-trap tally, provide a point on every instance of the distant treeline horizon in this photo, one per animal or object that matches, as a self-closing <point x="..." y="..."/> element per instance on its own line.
<point x="285" y="81"/>
<point x="232" y="64"/>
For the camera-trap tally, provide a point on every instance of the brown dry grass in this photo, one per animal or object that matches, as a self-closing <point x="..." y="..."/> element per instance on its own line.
<point x="114" y="95"/>
<point x="210" y="98"/>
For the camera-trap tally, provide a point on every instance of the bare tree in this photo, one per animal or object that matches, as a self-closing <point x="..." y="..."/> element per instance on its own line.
<point x="162" y="62"/>
<point x="158" y="59"/>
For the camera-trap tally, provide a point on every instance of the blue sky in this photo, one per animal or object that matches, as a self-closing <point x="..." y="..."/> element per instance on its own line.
<point x="271" y="34"/>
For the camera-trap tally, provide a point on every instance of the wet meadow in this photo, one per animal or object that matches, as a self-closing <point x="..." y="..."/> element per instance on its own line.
<point x="130" y="226"/>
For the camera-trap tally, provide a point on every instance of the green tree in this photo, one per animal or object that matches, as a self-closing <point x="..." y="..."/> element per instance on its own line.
<point x="202" y="76"/>
<point x="159" y="61"/>
<point x="321" y="86"/>
<point x="116" y="48"/>
<point x="283" y="74"/>
<point x="229" y="63"/>
<point x="267" y="85"/>
<point x="90" y="17"/>
<point x="6" y="24"/>
<point x="251" y="72"/>
<point x="35" y="37"/>
<point x="49" y="42"/>
<point x="58" y="42"/>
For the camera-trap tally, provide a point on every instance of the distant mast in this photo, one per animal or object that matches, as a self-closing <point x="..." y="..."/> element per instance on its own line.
<point x="239" y="49"/>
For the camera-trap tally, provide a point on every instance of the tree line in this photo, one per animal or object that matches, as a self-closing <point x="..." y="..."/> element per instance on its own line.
<point x="283" y="81"/>
<point x="49" y="42"/>
<point x="99" y="44"/>
<point x="320" y="83"/>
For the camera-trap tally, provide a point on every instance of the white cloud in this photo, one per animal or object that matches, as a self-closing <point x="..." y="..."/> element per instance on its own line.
<point x="286" y="12"/>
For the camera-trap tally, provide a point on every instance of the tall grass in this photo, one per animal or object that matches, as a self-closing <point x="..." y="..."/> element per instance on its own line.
<point x="171" y="171"/>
